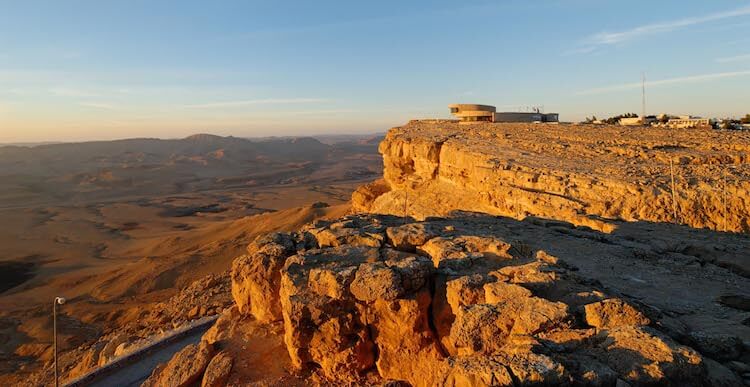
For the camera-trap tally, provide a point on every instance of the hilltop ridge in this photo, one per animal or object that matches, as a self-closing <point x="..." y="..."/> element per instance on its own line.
<point x="584" y="174"/>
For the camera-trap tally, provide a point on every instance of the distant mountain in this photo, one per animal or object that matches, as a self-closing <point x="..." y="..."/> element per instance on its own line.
<point x="149" y="166"/>
<point x="152" y="150"/>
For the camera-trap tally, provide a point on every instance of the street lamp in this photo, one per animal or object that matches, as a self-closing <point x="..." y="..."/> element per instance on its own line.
<point x="58" y="301"/>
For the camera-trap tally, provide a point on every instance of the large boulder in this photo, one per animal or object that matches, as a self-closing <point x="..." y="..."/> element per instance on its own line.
<point x="459" y="252"/>
<point x="186" y="367"/>
<point x="612" y="313"/>
<point x="363" y="196"/>
<point x="466" y="290"/>
<point x="641" y="356"/>
<point x="353" y="230"/>
<point x="256" y="276"/>
<point x="342" y="306"/>
<point x="495" y="292"/>
<point x="485" y="328"/>
<point x="479" y="371"/>
<point x="321" y="322"/>
<point x="400" y="320"/>
<point x="217" y="371"/>
<point x="409" y="236"/>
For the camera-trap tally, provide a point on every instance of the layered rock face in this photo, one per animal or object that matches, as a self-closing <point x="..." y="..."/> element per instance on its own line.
<point x="559" y="291"/>
<point x="446" y="302"/>
<point x="581" y="174"/>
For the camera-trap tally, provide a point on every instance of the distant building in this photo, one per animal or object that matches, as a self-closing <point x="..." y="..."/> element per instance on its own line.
<point x="637" y="121"/>
<point x="526" y="117"/>
<point x="684" y="122"/>
<point x="630" y="121"/>
<point x="473" y="112"/>
<point x="487" y="113"/>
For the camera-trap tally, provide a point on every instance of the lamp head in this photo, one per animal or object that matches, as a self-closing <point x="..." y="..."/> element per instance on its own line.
<point x="59" y="300"/>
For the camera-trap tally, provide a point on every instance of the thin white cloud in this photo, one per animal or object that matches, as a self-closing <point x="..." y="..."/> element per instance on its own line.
<point x="736" y="58"/>
<point x="250" y="102"/>
<point x="97" y="105"/>
<point x="603" y="39"/>
<point x="665" y="82"/>
<point x="319" y="112"/>
<point x="69" y="92"/>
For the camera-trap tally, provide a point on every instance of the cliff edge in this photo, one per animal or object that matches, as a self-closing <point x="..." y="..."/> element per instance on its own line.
<point x="587" y="175"/>
<point x="587" y="280"/>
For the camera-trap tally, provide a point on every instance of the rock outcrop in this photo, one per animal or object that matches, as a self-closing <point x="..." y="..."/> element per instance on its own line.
<point x="186" y="367"/>
<point x="580" y="174"/>
<point x="584" y="281"/>
<point x="448" y="302"/>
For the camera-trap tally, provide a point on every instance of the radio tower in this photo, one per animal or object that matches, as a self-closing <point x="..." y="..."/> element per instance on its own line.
<point x="643" y="95"/>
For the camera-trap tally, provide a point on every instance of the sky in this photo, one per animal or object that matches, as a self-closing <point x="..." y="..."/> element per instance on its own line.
<point x="88" y="70"/>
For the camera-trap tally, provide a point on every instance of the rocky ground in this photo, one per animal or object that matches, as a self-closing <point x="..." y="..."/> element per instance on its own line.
<point x="470" y="299"/>
<point x="601" y="271"/>
<point x="583" y="174"/>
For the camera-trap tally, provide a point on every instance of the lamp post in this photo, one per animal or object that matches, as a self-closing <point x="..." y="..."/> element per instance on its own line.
<point x="58" y="301"/>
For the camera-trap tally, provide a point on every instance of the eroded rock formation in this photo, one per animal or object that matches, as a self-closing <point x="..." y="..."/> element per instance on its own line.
<point x="584" y="281"/>
<point x="448" y="302"/>
<point x="580" y="174"/>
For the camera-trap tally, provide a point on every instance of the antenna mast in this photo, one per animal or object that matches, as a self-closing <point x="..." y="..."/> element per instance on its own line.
<point x="643" y="95"/>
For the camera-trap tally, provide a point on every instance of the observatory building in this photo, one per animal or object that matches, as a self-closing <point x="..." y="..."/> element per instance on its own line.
<point x="488" y="113"/>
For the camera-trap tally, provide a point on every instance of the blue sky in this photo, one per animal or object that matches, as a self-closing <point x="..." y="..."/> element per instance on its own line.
<point x="78" y="70"/>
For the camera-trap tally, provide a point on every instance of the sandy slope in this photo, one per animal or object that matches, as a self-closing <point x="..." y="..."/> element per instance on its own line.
<point x="149" y="223"/>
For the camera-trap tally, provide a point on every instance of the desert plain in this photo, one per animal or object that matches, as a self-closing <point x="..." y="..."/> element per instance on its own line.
<point x="118" y="226"/>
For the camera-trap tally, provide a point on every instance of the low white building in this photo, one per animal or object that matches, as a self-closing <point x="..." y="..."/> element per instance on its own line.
<point x="685" y="122"/>
<point x="637" y="121"/>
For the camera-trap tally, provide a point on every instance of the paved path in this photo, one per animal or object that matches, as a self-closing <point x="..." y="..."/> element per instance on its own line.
<point x="134" y="369"/>
<point x="136" y="373"/>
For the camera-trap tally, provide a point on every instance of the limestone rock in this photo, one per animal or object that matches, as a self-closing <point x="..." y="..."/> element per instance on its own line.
<point x="341" y="303"/>
<point x="486" y="327"/>
<point x="363" y="196"/>
<point x="374" y="281"/>
<point x="409" y="236"/>
<point x="717" y="345"/>
<point x="476" y="371"/>
<point x="574" y="174"/>
<point x="223" y="326"/>
<point x="185" y="368"/>
<point x="108" y="352"/>
<point x="256" y="277"/>
<point x="353" y="231"/>
<point x="495" y="292"/>
<point x="458" y="253"/>
<point x="444" y="303"/>
<point x="466" y="290"/>
<point x="407" y="348"/>
<point x="586" y="370"/>
<point x="534" y="369"/>
<point x="217" y="371"/>
<point x="89" y="360"/>
<point x="641" y="356"/>
<point x="321" y="323"/>
<point x="612" y="313"/>
<point x="535" y="275"/>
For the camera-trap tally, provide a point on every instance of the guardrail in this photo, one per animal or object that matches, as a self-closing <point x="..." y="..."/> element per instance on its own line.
<point x="133" y="357"/>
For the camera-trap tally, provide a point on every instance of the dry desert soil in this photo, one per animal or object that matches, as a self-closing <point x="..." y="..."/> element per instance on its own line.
<point x="118" y="226"/>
